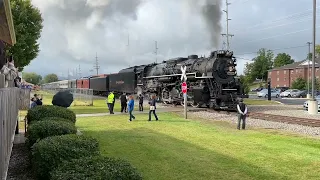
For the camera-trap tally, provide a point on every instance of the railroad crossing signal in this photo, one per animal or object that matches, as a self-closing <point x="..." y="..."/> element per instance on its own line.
<point x="184" y="87"/>
<point x="183" y="73"/>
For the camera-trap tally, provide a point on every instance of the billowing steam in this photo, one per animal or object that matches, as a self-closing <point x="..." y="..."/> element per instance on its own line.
<point x="211" y="12"/>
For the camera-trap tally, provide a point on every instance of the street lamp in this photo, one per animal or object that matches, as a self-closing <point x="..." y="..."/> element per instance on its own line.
<point x="313" y="104"/>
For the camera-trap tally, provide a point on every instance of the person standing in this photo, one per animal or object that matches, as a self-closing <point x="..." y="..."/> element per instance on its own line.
<point x="130" y="108"/>
<point x="33" y="103"/>
<point x="38" y="100"/>
<point x="123" y="101"/>
<point x="140" y="102"/>
<point x="153" y="108"/>
<point x="242" y="110"/>
<point x="110" y="102"/>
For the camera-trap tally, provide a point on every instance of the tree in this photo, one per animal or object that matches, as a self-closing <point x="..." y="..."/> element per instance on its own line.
<point x="299" y="83"/>
<point x="50" y="78"/>
<point x="282" y="59"/>
<point x="32" y="78"/>
<point x="27" y="22"/>
<point x="316" y="83"/>
<point x="245" y="84"/>
<point x="262" y="63"/>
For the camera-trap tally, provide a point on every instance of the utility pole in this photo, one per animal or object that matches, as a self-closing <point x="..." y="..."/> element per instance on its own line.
<point x="308" y="95"/>
<point x="79" y="71"/>
<point x="227" y="28"/>
<point x="156" y="50"/>
<point x="312" y="104"/>
<point x="68" y="74"/>
<point x="96" y="66"/>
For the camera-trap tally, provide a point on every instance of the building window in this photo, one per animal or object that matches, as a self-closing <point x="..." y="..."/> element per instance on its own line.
<point x="284" y="72"/>
<point x="285" y="85"/>
<point x="277" y="72"/>
<point x="277" y="79"/>
<point x="285" y="79"/>
<point x="278" y="85"/>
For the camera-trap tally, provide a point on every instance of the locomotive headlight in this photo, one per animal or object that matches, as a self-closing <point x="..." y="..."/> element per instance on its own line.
<point x="221" y="52"/>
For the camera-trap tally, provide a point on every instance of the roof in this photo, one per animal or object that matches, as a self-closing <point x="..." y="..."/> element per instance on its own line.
<point x="298" y="64"/>
<point x="7" y="33"/>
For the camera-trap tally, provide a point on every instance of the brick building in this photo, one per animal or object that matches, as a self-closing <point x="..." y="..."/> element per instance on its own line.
<point x="285" y="75"/>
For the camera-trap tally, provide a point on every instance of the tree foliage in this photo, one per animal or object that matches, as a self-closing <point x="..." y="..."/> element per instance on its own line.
<point x="27" y="22"/>
<point x="260" y="66"/>
<point x="282" y="59"/>
<point x="299" y="83"/>
<point x="50" y="78"/>
<point x="245" y="84"/>
<point x="32" y="77"/>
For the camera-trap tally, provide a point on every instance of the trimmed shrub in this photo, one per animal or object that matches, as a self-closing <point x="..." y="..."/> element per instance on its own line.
<point x="41" y="129"/>
<point x="39" y="112"/>
<point x="95" y="168"/>
<point x="48" y="153"/>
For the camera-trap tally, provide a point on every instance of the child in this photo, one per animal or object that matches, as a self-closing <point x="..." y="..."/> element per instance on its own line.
<point x="130" y="108"/>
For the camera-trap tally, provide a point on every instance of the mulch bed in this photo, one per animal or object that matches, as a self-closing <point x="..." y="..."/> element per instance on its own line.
<point x="19" y="166"/>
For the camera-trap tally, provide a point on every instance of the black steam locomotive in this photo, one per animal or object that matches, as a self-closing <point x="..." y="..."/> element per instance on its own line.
<point x="211" y="81"/>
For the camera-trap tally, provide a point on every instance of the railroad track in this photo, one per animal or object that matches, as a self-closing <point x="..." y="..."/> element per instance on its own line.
<point x="268" y="117"/>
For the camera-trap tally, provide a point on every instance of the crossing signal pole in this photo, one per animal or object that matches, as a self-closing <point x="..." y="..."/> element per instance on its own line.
<point x="227" y="24"/>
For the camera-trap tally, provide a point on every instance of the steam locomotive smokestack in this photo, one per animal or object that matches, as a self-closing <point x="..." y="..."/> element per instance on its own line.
<point x="211" y="12"/>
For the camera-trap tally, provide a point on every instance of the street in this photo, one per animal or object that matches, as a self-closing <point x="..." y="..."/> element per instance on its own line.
<point x="287" y="101"/>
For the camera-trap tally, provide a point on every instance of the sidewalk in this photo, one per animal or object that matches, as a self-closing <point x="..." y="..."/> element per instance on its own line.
<point x="146" y="111"/>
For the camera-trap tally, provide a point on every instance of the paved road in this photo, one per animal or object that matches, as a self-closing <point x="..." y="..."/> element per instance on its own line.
<point x="288" y="101"/>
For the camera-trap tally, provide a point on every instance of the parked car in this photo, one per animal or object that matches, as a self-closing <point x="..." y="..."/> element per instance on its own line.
<point x="300" y="94"/>
<point x="282" y="89"/>
<point x="305" y="104"/>
<point x="264" y="93"/>
<point x="289" y="92"/>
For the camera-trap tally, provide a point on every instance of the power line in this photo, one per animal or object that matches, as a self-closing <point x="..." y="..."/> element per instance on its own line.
<point x="270" y="37"/>
<point x="293" y="47"/>
<point x="292" y="16"/>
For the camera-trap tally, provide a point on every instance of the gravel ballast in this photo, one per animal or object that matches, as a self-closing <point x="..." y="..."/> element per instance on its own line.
<point x="257" y="123"/>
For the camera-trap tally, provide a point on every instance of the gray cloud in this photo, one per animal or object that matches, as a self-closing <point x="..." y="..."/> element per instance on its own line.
<point x="74" y="30"/>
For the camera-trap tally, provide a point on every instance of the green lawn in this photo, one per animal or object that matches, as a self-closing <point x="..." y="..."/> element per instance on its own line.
<point x="174" y="148"/>
<point x="259" y="102"/>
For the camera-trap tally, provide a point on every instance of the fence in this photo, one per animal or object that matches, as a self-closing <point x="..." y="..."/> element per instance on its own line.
<point x="11" y="100"/>
<point x="81" y="97"/>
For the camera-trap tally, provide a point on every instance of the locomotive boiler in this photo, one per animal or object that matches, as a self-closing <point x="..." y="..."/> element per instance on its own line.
<point x="211" y="81"/>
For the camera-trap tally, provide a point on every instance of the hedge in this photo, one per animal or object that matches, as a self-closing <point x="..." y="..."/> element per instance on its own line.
<point x="95" y="168"/>
<point x="41" y="129"/>
<point x="48" y="153"/>
<point x="39" y="112"/>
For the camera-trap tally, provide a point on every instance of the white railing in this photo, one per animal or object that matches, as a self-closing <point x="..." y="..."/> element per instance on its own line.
<point x="11" y="100"/>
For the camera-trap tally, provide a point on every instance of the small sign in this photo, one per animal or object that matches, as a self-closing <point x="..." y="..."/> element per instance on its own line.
<point x="184" y="87"/>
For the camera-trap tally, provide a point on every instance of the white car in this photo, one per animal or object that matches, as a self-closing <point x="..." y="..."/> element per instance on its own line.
<point x="289" y="92"/>
<point x="305" y="104"/>
<point x="264" y="93"/>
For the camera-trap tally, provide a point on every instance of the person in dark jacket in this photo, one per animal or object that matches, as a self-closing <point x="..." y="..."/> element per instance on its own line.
<point x="153" y="108"/>
<point x="140" y="102"/>
<point x="123" y="101"/>
<point x="242" y="110"/>
<point x="33" y="103"/>
<point x="38" y="100"/>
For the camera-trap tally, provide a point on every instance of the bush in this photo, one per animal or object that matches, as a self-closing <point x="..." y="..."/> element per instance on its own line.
<point x="48" y="153"/>
<point x="39" y="112"/>
<point x="42" y="129"/>
<point x="95" y="168"/>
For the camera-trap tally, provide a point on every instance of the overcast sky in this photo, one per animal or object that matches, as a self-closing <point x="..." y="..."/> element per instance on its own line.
<point x="75" y="30"/>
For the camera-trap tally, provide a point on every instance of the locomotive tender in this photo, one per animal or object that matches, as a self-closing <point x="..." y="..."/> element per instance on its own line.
<point x="212" y="81"/>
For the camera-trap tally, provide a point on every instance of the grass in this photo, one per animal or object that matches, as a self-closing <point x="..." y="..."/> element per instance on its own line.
<point x="259" y="102"/>
<point x="174" y="148"/>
